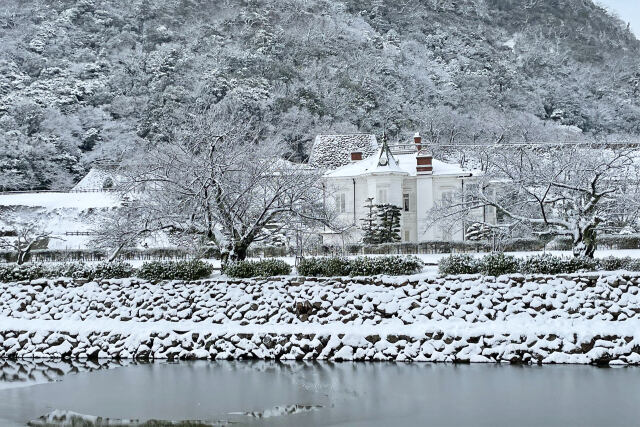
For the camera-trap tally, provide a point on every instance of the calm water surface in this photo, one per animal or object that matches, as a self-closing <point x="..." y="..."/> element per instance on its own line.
<point x="335" y="394"/>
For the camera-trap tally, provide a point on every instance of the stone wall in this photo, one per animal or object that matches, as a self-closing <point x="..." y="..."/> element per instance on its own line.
<point x="585" y="318"/>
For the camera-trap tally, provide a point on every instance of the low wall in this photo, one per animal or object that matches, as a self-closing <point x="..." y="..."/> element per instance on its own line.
<point x="584" y="318"/>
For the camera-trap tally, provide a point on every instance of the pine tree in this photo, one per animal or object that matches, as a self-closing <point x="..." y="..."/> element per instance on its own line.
<point x="388" y="225"/>
<point x="369" y="224"/>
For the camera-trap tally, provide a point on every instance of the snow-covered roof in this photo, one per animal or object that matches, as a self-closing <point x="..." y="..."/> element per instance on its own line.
<point x="53" y="200"/>
<point x="405" y="164"/>
<point x="385" y="163"/>
<point x="98" y="179"/>
<point x="332" y="151"/>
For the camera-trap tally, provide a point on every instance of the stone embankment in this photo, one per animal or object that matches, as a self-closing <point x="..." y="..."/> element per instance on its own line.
<point x="583" y="318"/>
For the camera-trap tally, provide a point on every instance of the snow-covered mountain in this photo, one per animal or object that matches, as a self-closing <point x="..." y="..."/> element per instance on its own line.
<point x="86" y="80"/>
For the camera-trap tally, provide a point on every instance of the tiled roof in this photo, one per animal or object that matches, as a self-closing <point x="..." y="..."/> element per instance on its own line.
<point x="332" y="151"/>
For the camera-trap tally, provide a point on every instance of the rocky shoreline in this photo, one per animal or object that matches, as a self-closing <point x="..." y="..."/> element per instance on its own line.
<point x="582" y="318"/>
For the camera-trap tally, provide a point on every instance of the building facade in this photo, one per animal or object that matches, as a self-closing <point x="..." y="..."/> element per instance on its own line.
<point x="406" y="176"/>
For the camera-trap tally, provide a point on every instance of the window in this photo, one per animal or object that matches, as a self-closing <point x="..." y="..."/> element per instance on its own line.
<point x="382" y="196"/>
<point x="405" y="202"/>
<point x="470" y="191"/>
<point x="448" y="196"/>
<point x="407" y="236"/>
<point x="341" y="202"/>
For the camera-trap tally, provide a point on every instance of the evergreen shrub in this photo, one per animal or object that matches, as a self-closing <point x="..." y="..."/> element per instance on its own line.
<point x="496" y="264"/>
<point x="499" y="263"/>
<point x="113" y="270"/>
<point x="175" y="270"/>
<point x="360" y="266"/>
<point x="16" y="273"/>
<point x="543" y="264"/>
<point x="324" y="267"/>
<point x="262" y="268"/>
<point x="76" y="270"/>
<point x="577" y="264"/>
<point x="389" y="265"/>
<point x="458" y="264"/>
<point x="613" y="263"/>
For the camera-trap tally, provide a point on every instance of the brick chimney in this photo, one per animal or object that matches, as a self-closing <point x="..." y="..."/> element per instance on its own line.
<point x="424" y="162"/>
<point x="418" y="141"/>
<point x="356" y="156"/>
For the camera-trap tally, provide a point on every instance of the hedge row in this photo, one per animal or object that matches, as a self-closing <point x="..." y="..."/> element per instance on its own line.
<point x="167" y="270"/>
<point x="263" y="268"/>
<point x="498" y="263"/>
<point x="175" y="270"/>
<point x="361" y="266"/>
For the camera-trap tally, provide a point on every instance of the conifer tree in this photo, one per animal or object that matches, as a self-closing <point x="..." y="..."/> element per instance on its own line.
<point x="388" y="224"/>
<point x="369" y="224"/>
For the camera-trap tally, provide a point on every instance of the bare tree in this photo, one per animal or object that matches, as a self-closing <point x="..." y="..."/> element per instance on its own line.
<point x="557" y="190"/>
<point x="216" y="179"/>
<point x="129" y="225"/>
<point x="21" y="235"/>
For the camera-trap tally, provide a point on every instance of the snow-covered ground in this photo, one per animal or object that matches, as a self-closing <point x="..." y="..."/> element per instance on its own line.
<point x="51" y="200"/>
<point x="60" y="213"/>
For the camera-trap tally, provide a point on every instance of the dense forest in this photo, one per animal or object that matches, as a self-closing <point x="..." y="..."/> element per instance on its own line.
<point x="88" y="80"/>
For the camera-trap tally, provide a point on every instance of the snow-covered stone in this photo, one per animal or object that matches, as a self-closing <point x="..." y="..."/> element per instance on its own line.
<point x="537" y="319"/>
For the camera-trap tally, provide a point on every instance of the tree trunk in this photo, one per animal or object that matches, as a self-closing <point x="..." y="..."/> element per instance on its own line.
<point x="241" y="251"/>
<point x="584" y="243"/>
<point x="21" y="257"/>
<point x="115" y="253"/>
<point x="235" y="251"/>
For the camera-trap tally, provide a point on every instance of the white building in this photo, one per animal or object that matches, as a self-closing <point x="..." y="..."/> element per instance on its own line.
<point x="406" y="176"/>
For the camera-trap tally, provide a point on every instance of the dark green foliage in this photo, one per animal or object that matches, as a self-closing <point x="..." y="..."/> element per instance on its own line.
<point x="15" y="272"/>
<point x="381" y="224"/>
<point x="389" y="265"/>
<point x="262" y="268"/>
<point x="498" y="263"/>
<point x="175" y="270"/>
<point x="576" y="264"/>
<point x="388" y="224"/>
<point x="613" y="263"/>
<point x="543" y="264"/>
<point x="76" y="270"/>
<point x="458" y="264"/>
<point x="324" y="267"/>
<point x="113" y="270"/>
<point x="369" y="235"/>
<point x="634" y="265"/>
<point x="360" y="266"/>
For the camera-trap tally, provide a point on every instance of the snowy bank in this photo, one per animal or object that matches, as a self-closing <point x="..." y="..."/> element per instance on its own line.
<point x="583" y="318"/>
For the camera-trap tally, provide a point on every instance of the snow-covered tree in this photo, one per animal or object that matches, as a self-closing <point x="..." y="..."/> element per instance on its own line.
<point x="369" y="221"/>
<point x="21" y="235"/>
<point x="388" y="223"/>
<point x="227" y="184"/>
<point x="566" y="190"/>
<point x="478" y="231"/>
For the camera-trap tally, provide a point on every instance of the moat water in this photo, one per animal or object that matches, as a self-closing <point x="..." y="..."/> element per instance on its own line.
<point x="319" y="393"/>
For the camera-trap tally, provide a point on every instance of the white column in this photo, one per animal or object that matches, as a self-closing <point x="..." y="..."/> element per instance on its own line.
<point x="424" y="198"/>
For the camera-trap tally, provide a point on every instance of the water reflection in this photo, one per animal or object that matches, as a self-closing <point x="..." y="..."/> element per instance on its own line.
<point x="317" y="393"/>
<point x="24" y="372"/>
<point x="59" y="418"/>
<point x="278" y="411"/>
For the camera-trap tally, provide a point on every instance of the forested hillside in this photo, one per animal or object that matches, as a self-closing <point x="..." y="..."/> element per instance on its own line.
<point x="87" y="79"/>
